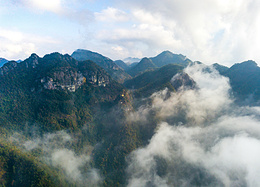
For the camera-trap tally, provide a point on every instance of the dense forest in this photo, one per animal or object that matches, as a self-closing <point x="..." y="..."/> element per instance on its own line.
<point x="81" y="120"/>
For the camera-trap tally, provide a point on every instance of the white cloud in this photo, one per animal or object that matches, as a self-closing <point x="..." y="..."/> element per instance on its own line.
<point x="197" y="106"/>
<point x="56" y="152"/>
<point x="209" y="31"/>
<point x="18" y="45"/>
<point x="111" y="14"/>
<point x="44" y="5"/>
<point x="217" y="145"/>
<point x="223" y="31"/>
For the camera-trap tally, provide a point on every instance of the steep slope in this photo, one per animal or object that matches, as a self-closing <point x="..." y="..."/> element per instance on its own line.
<point x="21" y="169"/>
<point x="151" y="81"/>
<point x="168" y="57"/>
<point x="104" y="62"/>
<point x="122" y="64"/>
<point x="3" y="61"/>
<point x="144" y="65"/>
<point x="44" y="89"/>
<point x="56" y="93"/>
<point x="245" y="80"/>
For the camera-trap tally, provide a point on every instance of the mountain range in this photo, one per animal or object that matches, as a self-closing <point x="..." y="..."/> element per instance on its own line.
<point x="80" y="108"/>
<point x="102" y="61"/>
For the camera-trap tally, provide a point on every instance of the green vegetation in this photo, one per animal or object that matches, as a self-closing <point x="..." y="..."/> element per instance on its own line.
<point x="168" y="57"/>
<point x="18" y="168"/>
<point x="244" y="80"/>
<point x="145" y="64"/>
<point x="149" y="82"/>
<point x="93" y="114"/>
<point x="57" y="93"/>
<point x="122" y="65"/>
<point x="113" y="70"/>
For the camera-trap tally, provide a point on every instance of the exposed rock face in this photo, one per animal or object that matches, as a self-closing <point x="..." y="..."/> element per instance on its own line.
<point x="183" y="81"/>
<point x="96" y="78"/>
<point x="56" y="71"/>
<point x="70" y="79"/>
<point x="66" y="80"/>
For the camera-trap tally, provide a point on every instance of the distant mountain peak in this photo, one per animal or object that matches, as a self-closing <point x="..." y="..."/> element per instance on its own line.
<point x="166" y="52"/>
<point x="122" y="64"/>
<point x="144" y="65"/>
<point x="145" y="60"/>
<point x="130" y="60"/>
<point x="88" y="55"/>
<point x="167" y="57"/>
<point x="111" y="67"/>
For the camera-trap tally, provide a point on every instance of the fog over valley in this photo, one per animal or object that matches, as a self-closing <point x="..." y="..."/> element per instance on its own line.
<point x="130" y="93"/>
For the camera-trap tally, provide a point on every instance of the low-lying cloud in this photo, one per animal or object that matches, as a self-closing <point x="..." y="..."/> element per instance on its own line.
<point x="56" y="150"/>
<point x="216" y="144"/>
<point x="195" y="105"/>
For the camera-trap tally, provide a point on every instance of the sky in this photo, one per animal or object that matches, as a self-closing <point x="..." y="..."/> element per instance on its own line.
<point x="210" y="31"/>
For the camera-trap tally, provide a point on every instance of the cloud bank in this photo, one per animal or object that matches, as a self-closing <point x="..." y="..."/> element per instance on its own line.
<point x="216" y="143"/>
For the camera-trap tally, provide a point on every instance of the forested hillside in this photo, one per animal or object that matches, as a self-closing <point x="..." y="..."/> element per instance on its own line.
<point x="81" y="120"/>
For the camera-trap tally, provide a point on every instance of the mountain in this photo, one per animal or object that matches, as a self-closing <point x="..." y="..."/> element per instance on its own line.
<point x="147" y="83"/>
<point x="3" y="61"/>
<point x="41" y="87"/>
<point x="102" y="61"/>
<point x="220" y="68"/>
<point x="20" y="169"/>
<point x="167" y="57"/>
<point x="67" y="122"/>
<point x="144" y="65"/>
<point x="245" y="80"/>
<point x="133" y="64"/>
<point x="160" y="60"/>
<point x="131" y="60"/>
<point x="54" y="94"/>
<point x="122" y="64"/>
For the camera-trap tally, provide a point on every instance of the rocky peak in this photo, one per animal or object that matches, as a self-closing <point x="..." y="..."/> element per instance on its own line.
<point x="167" y="57"/>
<point x="183" y="81"/>
<point x="32" y="61"/>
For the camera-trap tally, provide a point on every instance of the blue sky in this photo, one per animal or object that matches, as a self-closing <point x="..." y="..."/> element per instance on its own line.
<point x="223" y="31"/>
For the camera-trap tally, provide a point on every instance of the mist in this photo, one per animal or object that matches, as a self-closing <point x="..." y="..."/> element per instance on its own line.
<point x="202" y="137"/>
<point x="56" y="150"/>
